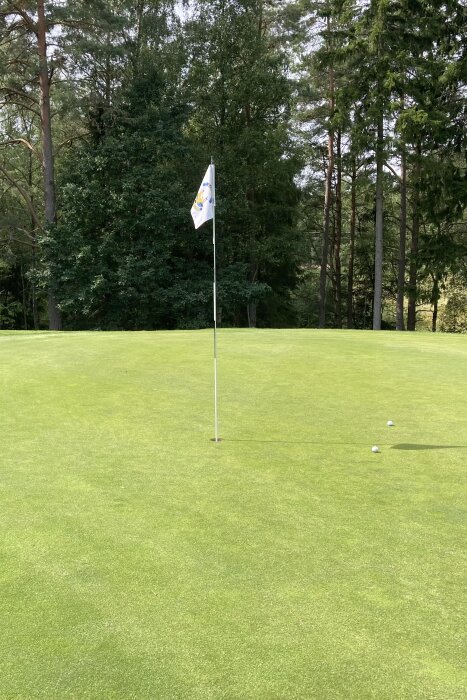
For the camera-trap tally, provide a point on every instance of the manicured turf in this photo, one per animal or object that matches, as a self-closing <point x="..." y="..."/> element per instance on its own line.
<point x="139" y="560"/>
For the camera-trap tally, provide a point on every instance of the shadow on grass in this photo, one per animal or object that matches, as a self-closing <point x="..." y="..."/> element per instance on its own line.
<point x="300" y="442"/>
<point x="409" y="446"/>
<point x="401" y="446"/>
<point x="328" y="443"/>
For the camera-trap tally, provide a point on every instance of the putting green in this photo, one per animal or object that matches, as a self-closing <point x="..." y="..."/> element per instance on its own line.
<point x="139" y="560"/>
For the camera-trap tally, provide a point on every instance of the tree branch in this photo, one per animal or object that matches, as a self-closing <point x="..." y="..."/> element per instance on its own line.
<point x="24" y="195"/>
<point x="32" y="26"/>
<point x="25" y="143"/>
<point x="68" y="141"/>
<point x="389" y="167"/>
<point x="18" y="240"/>
<point x="5" y="103"/>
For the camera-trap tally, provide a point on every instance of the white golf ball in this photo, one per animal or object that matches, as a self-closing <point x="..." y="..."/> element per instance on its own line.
<point x="389" y="423"/>
<point x="375" y="448"/>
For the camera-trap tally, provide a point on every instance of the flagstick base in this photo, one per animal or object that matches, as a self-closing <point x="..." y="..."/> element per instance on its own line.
<point x="216" y="439"/>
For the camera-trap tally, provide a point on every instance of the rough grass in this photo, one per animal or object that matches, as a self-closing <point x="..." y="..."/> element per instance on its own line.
<point x="139" y="560"/>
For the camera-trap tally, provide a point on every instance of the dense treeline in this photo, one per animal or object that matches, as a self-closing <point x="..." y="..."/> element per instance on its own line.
<point x="339" y="133"/>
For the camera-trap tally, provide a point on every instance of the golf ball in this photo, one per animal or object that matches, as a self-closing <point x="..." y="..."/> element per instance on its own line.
<point x="375" y="448"/>
<point x="389" y="422"/>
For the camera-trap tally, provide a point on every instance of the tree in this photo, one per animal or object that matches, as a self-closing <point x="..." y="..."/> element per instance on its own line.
<point x="26" y="25"/>
<point x="30" y="18"/>
<point x="317" y="114"/>
<point x="124" y="255"/>
<point x="241" y="103"/>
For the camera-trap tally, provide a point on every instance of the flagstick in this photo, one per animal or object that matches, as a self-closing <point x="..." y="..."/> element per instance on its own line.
<point x="216" y="426"/>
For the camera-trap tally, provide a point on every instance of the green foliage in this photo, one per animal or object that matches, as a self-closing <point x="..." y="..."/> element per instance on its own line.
<point x="454" y="315"/>
<point x="144" y="95"/>
<point x="11" y="308"/>
<point x="124" y="226"/>
<point x="124" y="254"/>
<point x="238" y="82"/>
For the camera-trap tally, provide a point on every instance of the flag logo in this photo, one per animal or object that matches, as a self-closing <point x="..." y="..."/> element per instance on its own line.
<point x="203" y="196"/>
<point x="203" y="206"/>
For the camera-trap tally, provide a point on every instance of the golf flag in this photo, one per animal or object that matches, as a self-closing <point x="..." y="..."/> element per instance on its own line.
<point x="204" y="209"/>
<point x="203" y="206"/>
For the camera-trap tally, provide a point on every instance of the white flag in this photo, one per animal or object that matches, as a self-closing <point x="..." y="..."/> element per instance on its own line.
<point x="203" y="206"/>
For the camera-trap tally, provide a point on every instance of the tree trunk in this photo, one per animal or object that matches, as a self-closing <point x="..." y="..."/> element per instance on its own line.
<point x="402" y="243"/>
<point x="140" y="8"/>
<point x="55" y="322"/>
<point x="353" y="219"/>
<point x="434" y="301"/>
<point x="378" y="289"/>
<point x="254" y="264"/>
<point x="332" y="242"/>
<point x="327" y="203"/>
<point x="108" y="75"/>
<point x="25" y="305"/>
<point x="252" y="305"/>
<point x="251" y="313"/>
<point x="412" y="290"/>
<point x="338" y="236"/>
<point x="35" y="315"/>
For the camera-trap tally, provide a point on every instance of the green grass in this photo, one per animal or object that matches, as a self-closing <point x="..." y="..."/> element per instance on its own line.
<point x="139" y="560"/>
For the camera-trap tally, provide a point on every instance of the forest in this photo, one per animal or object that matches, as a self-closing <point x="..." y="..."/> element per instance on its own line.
<point x="339" y="133"/>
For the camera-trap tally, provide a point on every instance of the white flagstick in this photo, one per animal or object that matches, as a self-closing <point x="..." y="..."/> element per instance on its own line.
<point x="216" y="426"/>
